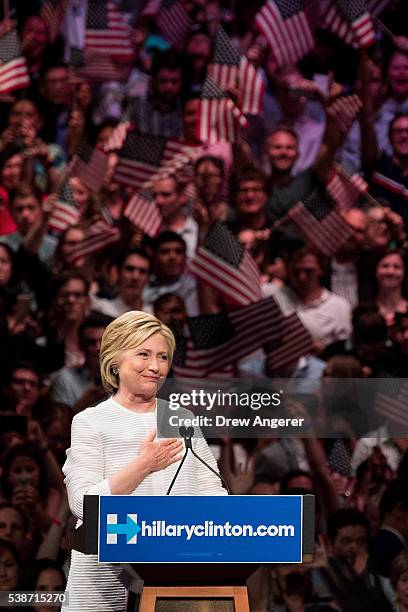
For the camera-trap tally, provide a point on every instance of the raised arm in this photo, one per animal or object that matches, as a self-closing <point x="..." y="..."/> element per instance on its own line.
<point x="340" y="114"/>
<point x="369" y="143"/>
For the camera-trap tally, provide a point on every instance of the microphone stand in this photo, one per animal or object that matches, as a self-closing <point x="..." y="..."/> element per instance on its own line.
<point x="187" y="434"/>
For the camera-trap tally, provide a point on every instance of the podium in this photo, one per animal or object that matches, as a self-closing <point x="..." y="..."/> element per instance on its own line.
<point x="167" y="552"/>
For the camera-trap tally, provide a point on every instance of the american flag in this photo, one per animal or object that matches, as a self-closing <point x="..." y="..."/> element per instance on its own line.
<point x="13" y="68"/>
<point x="219" y="119"/>
<point x="106" y="30"/>
<point x="90" y="166"/>
<point x="65" y="212"/>
<point x="219" y="340"/>
<point x="317" y="218"/>
<point x="229" y="67"/>
<point x="118" y="137"/>
<point x="286" y="28"/>
<point x="174" y="22"/>
<point x="293" y="342"/>
<point x="225" y="264"/>
<point x="99" y="236"/>
<point x="142" y="211"/>
<point x="343" y="110"/>
<point x="346" y="186"/>
<point x="339" y="458"/>
<point x="391" y="404"/>
<point x="53" y="12"/>
<point x="145" y="157"/>
<point x="350" y="21"/>
<point x="95" y="66"/>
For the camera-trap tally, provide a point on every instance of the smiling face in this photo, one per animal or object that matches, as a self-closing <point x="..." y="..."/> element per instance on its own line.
<point x="390" y="271"/>
<point x="143" y="368"/>
<point x="282" y="150"/>
<point x="24" y="112"/>
<point x="81" y="193"/>
<point x="10" y="174"/>
<point x="251" y="197"/>
<point x="398" y="75"/>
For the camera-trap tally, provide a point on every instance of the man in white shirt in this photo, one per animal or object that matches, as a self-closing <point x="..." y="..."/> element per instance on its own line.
<point x="171" y="203"/>
<point x="134" y="269"/>
<point x="170" y="274"/>
<point x="325" y="315"/>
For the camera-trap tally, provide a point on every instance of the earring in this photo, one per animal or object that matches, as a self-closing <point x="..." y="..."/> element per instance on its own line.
<point x="115" y="370"/>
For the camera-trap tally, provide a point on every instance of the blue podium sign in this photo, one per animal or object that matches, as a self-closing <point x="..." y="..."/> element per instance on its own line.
<point x="202" y="529"/>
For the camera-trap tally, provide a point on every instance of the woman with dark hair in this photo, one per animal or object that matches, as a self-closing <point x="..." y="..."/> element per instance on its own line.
<point x="11" y="173"/>
<point x="9" y="274"/>
<point x="69" y="307"/>
<point x="73" y="235"/>
<point x="209" y="176"/>
<point x="25" y="482"/>
<point x="43" y="576"/>
<point x="15" y="528"/>
<point x="9" y="567"/>
<point x="11" y="166"/>
<point x="390" y="276"/>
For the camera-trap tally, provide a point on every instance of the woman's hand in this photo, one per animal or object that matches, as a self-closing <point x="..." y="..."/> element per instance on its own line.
<point x="159" y="454"/>
<point x="25" y="495"/>
<point x="239" y="476"/>
<point x="35" y="434"/>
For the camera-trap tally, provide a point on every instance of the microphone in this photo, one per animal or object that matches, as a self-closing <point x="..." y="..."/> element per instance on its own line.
<point x="187" y="434"/>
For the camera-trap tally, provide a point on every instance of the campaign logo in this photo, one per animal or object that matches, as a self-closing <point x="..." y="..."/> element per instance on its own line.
<point x="130" y="528"/>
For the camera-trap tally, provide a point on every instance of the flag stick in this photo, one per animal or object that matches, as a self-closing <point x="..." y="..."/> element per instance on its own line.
<point x="364" y="194"/>
<point x="384" y="28"/>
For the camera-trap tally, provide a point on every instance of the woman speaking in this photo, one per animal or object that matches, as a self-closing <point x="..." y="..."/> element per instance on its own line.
<point x="114" y="449"/>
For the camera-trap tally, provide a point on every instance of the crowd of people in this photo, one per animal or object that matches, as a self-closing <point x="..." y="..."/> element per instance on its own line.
<point x="354" y="303"/>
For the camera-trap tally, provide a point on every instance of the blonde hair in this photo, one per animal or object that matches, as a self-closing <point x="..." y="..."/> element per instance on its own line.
<point x="127" y="332"/>
<point x="399" y="567"/>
